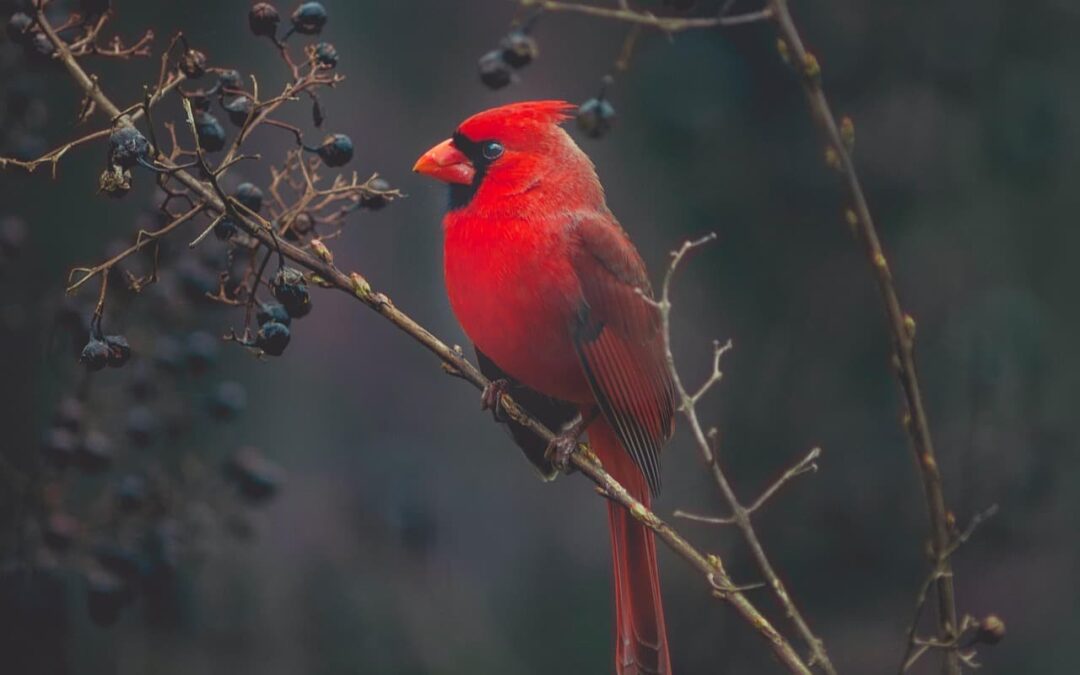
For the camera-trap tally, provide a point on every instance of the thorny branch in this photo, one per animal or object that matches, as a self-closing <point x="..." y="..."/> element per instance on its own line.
<point x="324" y="272"/>
<point x="740" y="513"/>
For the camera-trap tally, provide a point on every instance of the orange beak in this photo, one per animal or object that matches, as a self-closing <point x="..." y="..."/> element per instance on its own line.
<point x="446" y="163"/>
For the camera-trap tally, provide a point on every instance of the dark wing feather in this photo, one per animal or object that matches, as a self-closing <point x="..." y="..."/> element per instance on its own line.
<point x="555" y="414"/>
<point x="619" y="341"/>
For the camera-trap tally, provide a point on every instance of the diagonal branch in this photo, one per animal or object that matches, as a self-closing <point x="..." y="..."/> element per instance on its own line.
<point x="710" y="566"/>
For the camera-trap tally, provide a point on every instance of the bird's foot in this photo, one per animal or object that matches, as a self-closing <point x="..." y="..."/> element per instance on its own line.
<point x="491" y="398"/>
<point x="567" y="442"/>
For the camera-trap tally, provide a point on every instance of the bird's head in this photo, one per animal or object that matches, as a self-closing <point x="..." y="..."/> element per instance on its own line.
<point x="507" y="151"/>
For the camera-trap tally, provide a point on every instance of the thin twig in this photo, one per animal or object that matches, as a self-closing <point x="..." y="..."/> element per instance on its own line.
<point x="666" y="24"/>
<point x="740" y="513"/>
<point x="901" y="325"/>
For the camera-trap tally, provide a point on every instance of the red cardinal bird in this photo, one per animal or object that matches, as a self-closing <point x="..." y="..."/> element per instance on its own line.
<point x="550" y="290"/>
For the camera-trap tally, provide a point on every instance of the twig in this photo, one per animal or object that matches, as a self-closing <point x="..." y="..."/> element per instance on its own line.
<point x="710" y="566"/>
<point x="740" y="513"/>
<point x="664" y="23"/>
<point x="901" y="325"/>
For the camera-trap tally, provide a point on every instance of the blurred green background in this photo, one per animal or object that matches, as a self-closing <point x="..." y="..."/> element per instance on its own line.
<point x="410" y="537"/>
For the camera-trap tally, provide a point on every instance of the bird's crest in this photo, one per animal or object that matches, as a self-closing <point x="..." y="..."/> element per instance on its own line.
<point x="509" y="120"/>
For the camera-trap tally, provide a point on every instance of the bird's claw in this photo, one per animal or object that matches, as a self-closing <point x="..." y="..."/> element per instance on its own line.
<point x="491" y="398"/>
<point x="560" y="449"/>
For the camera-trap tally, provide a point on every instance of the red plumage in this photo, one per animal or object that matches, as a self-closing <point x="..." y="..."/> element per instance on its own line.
<point x="550" y="289"/>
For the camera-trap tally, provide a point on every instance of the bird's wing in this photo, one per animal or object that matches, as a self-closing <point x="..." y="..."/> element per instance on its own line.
<point x="554" y="414"/>
<point x="619" y="341"/>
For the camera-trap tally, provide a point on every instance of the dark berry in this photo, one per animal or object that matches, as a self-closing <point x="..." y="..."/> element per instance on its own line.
<point x="168" y="354"/>
<point x="225" y="228"/>
<point x="302" y="224"/>
<point x="69" y="414"/>
<point x="336" y="150"/>
<point x="290" y="289"/>
<point x="272" y="311"/>
<point x="309" y="18"/>
<point x="95" y="355"/>
<point x="19" y="27"/>
<point x="273" y="338"/>
<point x="494" y="71"/>
<point x="596" y="117"/>
<point x="141" y="386"/>
<point x="372" y="198"/>
<point x="239" y="108"/>
<point x="39" y="46"/>
<point x="94" y="453"/>
<point x="202" y="351"/>
<point x="94" y="8"/>
<point x="326" y="55"/>
<point x="119" y="350"/>
<point x="60" y="531"/>
<point x="193" y="64"/>
<point x="227" y="401"/>
<point x="230" y="79"/>
<point x="106" y="596"/>
<point x="130" y="493"/>
<point x="58" y="446"/>
<point x="142" y="425"/>
<point x="519" y="49"/>
<point x="127" y="146"/>
<point x="249" y="195"/>
<point x="255" y="477"/>
<point x="263" y="19"/>
<point x="210" y="132"/>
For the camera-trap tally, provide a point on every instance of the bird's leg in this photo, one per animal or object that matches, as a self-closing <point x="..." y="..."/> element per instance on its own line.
<point x="491" y="398"/>
<point x="565" y="443"/>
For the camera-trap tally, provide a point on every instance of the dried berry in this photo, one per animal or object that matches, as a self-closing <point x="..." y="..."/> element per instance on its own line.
<point x="210" y="132"/>
<point x="141" y="426"/>
<point x="94" y="453"/>
<point x="130" y="492"/>
<point x="494" y="71"/>
<point x="230" y="79"/>
<point x="58" y="446"/>
<point x="596" y="117"/>
<point x="335" y="150"/>
<point x="193" y="64"/>
<point x="249" y="195"/>
<point x="225" y="228"/>
<point x="19" y="28"/>
<point x="255" y="477"/>
<point x="69" y="414"/>
<point x="127" y="146"/>
<point x="119" y="350"/>
<point x="372" y="199"/>
<point x="239" y="109"/>
<point x="326" y="55"/>
<point x="272" y="311"/>
<point x="991" y="630"/>
<point x="95" y="355"/>
<point x="309" y="18"/>
<point x="202" y="351"/>
<point x="228" y="401"/>
<point x="39" y="47"/>
<point x="263" y="19"/>
<point x="290" y="289"/>
<point x="519" y="49"/>
<point x="273" y="337"/>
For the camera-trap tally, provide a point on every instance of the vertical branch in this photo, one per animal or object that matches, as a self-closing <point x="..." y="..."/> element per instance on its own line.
<point x="901" y="326"/>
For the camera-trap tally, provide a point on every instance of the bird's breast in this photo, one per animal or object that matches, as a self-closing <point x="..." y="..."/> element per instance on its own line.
<point x="514" y="291"/>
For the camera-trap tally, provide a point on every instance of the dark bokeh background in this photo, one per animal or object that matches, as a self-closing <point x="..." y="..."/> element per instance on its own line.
<point x="411" y="538"/>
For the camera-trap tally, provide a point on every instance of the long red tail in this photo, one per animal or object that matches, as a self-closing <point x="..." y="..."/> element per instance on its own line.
<point x="641" y="646"/>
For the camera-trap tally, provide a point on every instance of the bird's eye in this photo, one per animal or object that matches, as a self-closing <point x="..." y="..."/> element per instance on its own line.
<point x="492" y="150"/>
